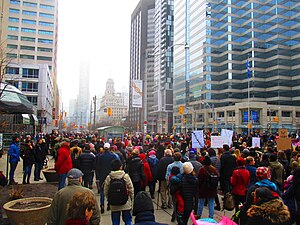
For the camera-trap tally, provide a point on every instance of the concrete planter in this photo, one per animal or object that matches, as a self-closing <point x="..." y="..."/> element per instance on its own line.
<point x="50" y="175"/>
<point x="33" y="211"/>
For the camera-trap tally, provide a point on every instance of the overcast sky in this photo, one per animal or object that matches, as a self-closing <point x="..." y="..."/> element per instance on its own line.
<point x="97" y="31"/>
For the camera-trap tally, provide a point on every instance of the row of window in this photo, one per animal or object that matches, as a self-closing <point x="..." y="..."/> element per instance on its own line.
<point x="32" y="4"/>
<point x="30" y="30"/>
<point x="27" y="21"/>
<point x="30" y="13"/>
<point x="23" y="56"/>
<point x="30" y="39"/>
<point x="30" y="48"/>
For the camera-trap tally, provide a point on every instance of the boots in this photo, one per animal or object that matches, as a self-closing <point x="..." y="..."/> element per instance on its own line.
<point x="102" y="208"/>
<point x="24" y="178"/>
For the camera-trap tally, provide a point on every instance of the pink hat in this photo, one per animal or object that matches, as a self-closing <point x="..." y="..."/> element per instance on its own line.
<point x="152" y="152"/>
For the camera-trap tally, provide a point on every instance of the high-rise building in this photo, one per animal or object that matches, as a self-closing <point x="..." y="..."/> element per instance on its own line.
<point x="29" y="46"/>
<point x="142" y="61"/>
<point x="162" y="115"/>
<point x="213" y="80"/>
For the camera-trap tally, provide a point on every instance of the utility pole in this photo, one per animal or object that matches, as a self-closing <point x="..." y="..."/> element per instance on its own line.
<point x="91" y="116"/>
<point x="95" y="100"/>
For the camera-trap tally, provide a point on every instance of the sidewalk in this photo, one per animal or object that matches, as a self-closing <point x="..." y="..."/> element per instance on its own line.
<point x="161" y="215"/>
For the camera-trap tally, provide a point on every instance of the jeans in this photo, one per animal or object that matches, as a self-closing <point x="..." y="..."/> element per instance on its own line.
<point x="37" y="170"/>
<point x="126" y="216"/>
<point x="62" y="180"/>
<point x="13" y="166"/>
<point x="211" y="208"/>
<point x="27" y="172"/>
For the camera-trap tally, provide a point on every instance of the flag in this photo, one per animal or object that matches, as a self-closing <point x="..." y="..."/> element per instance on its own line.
<point x="248" y="69"/>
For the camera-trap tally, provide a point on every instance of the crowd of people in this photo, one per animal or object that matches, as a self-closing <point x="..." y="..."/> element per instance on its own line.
<point x="264" y="182"/>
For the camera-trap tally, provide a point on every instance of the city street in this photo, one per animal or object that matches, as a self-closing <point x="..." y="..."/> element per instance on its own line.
<point x="163" y="216"/>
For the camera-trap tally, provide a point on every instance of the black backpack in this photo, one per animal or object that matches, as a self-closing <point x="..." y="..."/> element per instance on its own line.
<point x="212" y="180"/>
<point x="117" y="192"/>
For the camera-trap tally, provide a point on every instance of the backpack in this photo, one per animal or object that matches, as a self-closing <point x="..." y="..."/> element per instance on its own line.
<point x="212" y="180"/>
<point x="117" y="192"/>
<point x="3" y="179"/>
<point x="228" y="202"/>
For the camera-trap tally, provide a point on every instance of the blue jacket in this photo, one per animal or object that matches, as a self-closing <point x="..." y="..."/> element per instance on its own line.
<point x="14" y="153"/>
<point x="103" y="165"/>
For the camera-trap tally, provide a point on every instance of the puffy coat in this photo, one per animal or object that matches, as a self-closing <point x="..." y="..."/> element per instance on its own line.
<point x="103" y="165"/>
<point x="240" y="180"/>
<point x="135" y="168"/>
<point x="273" y="212"/>
<point x="64" y="162"/>
<point x="86" y="161"/>
<point x="153" y="163"/>
<point x="204" y="191"/>
<point x="146" y="218"/>
<point x="147" y="170"/>
<point x="27" y="154"/>
<point x="14" y="153"/>
<point x="118" y="175"/>
<point x="190" y="192"/>
<point x="162" y="167"/>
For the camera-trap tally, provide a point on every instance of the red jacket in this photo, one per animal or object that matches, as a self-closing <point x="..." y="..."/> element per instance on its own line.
<point x="204" y="191"/>
<point x="147" y="171"/>
<point x="64" y="161"/>
<point x="240" y="180"/>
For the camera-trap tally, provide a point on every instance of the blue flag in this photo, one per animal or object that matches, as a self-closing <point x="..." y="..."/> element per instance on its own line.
<point x="248" y="69"/>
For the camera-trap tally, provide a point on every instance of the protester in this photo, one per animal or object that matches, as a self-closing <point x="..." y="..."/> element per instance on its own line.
<point x="250" y="166"/>
<point x="58" y="209"/>
<point x="14" y="158"/>
<point x="228" y="163"/>
<point x="64" y="163"/>
<point x="87" y="162"/>
<point x="143" y="210"/>
<point x="27" y="154"/>
<point x="153" y="163"/>
<point x="116" y="210"/>
<point x="80" y="208"/>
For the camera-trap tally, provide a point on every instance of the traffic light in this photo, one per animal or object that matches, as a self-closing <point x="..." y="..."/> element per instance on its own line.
<point x="109" y="111"/>
<point x="184" y="120"/>
<point x="275" y="119"/>
<point x="181" y="109"/>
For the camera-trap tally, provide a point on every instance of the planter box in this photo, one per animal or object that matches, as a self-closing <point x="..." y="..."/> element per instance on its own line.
<point x="28" y="216"/>
<point x="50" y="175"/>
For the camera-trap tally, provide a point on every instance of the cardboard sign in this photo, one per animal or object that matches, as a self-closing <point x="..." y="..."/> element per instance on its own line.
<point x="284" y="144"/>
<point x="217" y="141"/>
<point x="197" y="139"/>
<point x="256" y="142"/>
<point x="283" y="133"/>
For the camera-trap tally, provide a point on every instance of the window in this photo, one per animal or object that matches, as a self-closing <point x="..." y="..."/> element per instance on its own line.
<point x="44" y="58"/>
<point x="12" y="46"/>
<point x="47" y="15"/>
<point x="13" y="19"/>
<point x="231" y="113"/>
<point x="14" y="2"/>
<point x="286" y="114"/>
<point x="30" y="73"/>
<point x="46" y="24"/>
<point x="28" y="39"/>
<point x="14" y="10"/>
<point x="27" y="56"/>
<point x="26" y="12"/>
<point x="46" y="32"/>
<point x="31" y="4"/>
<point x="28" y="21"/>
<point x="32" y="99"/>
<point x="12" y="70"/>
<point x="11" y="55"/>
<point x="13" y="83"/>
<point x="12" y="37"/>
<point x="297" y="114"/>
<point x="13" y="28"/>
<point x="47" y="41"/>
<point x="30" y="87"/>
<point x="28" y="30"/>
<point x="40" y="49"/>
<point x="24" y="47"/>
<point x="43" y="6"/>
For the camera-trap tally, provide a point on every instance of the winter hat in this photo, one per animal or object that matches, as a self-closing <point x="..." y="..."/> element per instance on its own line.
<point x="187" y="167"/>
<point x="106" y="145"/>
<point x="206" y="161"/>
<point x="152" y="152"/>
<point x="142" y="203"/>
<point x="263" y="173"/>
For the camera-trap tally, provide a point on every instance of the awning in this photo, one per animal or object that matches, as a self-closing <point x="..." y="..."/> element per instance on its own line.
<point x="35" y="120"/>
<point x="26" y="119"/>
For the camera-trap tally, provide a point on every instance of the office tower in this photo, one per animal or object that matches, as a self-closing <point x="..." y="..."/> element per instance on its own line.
<point x="142" y="62"/>
<point x="162" y="115"/>
<point x="211" y="77"/>
<point x="29" y="47"/>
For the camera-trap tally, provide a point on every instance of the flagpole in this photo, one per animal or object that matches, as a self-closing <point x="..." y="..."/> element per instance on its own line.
<point x="248" y="76"/>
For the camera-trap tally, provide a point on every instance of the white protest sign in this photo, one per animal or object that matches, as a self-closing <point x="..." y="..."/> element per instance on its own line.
<point x="217" y="141"/>
<point x="255" y="142"/>
<point x="227" y="134"/>
<point x="197" y="139"/>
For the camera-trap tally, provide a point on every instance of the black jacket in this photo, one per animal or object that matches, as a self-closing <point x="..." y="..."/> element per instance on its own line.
<point x="190" y="192"/>
<point x="86" y="161"/>
<point x="146" y="218"/>
<point x="228" y="164"/>
<point x="135" y="169"/>
<point x="162" y="167"/>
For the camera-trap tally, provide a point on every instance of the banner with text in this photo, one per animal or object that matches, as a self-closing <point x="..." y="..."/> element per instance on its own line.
<point x="137" y="93"/>
<point x="256" y="142"/>
<point x="217" y="141"/>
<point x="197" y="139"/>
<point x="227" y="134"/>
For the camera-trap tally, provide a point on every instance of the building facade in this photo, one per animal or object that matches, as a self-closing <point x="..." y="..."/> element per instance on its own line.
<point x="243" y="58"/>
<point x="142" y="62"/>
<point x="29" y="47"/>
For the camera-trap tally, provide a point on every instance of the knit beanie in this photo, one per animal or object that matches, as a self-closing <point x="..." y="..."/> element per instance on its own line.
<point x="142" y="203"/>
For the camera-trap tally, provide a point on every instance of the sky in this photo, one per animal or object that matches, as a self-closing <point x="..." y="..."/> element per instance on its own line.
<point x="96" y="31"/>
